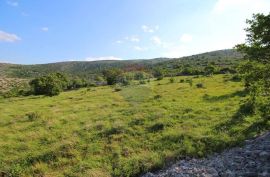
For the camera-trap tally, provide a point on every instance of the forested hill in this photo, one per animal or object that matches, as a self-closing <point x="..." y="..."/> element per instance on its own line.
<point x="222" y="58"/>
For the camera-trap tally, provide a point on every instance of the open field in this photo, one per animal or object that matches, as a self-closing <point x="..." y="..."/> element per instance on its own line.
<point x="101" y="131"/>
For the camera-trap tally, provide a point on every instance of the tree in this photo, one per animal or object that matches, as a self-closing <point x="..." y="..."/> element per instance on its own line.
<point x="112" y="76"/>
<point x="257" y="46"/>
<point x="209" y="70"/>
<point x="49" y="85"/>
<point x="77" y="83"/>
<point x="256" y="70"/>
<point x="139" y="75"/>
<point x="158" y="73"/>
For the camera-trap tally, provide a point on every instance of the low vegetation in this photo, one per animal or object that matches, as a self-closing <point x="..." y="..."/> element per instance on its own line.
<point x="103" y="132"/>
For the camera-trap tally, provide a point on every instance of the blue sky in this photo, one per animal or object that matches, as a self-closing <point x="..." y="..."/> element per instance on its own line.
<point x="43" y="31"/>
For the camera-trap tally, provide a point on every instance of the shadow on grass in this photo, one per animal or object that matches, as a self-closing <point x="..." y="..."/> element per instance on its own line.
<point x="239" y="118"/>
<point x="241" y="93"/>
<point x="257" y="128"/>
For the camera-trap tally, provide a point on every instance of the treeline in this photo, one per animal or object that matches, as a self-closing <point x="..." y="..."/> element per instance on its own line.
<point x="54" y="83"/>
<point x="176" y="66"/>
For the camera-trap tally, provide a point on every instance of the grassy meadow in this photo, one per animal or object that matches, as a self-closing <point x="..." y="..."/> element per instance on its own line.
<point x="125" y="131"/>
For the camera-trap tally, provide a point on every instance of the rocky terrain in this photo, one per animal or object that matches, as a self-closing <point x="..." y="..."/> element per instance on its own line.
<point x="8" y="83"/>
<point x="251" y="160"/>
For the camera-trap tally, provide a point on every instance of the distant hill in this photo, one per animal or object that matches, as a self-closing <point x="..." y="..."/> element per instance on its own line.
<point x="222" y="58"/>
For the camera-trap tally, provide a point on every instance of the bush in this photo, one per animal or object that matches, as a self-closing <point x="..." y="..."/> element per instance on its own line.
<point x="156" y="127"/>
<point x="117" y="89"/>
<point x="112" y="76"/>
<point x="157" y="97"/>
<point x="49" y="85"/>
<point x="140" y="75"/>
<point x="209" y="70"/>
<point x="142" y="82"/>
<point x="199" y="85"/>
<point x="171" y="80"/>
<point x="236" y="78"/>
<point x="190" y="82"/>
<point x="77" y="83"/>
<point x="182" y="81"/>
<point x="33" y="116"/>
<point x="158" y="74"/>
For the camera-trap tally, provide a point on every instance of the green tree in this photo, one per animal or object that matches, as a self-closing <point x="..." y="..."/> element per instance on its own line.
<point x="158" y="73"/>
<point x="77" y="83"/>
<point x="49" y="85"/>
<point x="209" y="70"/>
<point x="256" y="70"/>
<point x="257" y="46"/>
<point x="112" y="76"/>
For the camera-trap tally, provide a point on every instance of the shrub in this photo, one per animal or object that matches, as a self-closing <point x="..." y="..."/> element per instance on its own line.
<point x="158" y="74"/>
<point x="117" y="128"/>
<point x="209" y="70"/>
<point x="124" y="80"/>
<point x="182" y="81"/>
<point x="142" y="82"/>
<point x="188" y="110"/>
<point x="236" y="78"/>
<point x="15" y="170"/>
<point x="199" y="85"/>
<point x="157" y="97"/>
<point x="156" y="127"/>
<point x="77" y="83"/>
<point x="190" y="82"/>
<point x="140" y="75"/>
<point x="33" y="116"/>
<point x="49" y="85"/>
<point x="112" y="76"/>
<point x="171" y="80"/>
<point x="117" y="89"/>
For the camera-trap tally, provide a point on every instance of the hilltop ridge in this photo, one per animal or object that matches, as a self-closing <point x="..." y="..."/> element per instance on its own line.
<point x="222" y="58"/>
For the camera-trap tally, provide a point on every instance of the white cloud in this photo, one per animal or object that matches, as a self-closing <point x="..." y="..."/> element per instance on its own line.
<point x="102" y="58"/>
<point x="175" y="51"/>
<point x="45" y="29"/>
<point x="138" y="48"/>
<point x="248" y="6"/>
<point x="156" y="40"/>
<point x="7" y="37"/>
<point x="119" y="42"/>
<point x="148" y="29"/>
<point x="13" y="3"/>
<point x="132" y="38"/>
<point x="186" y="38"/>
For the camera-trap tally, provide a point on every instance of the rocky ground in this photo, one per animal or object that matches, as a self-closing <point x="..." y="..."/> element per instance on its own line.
<point x="251" y="160"/>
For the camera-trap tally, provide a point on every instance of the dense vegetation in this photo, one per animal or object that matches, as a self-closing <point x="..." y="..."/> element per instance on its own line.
<point x="224" y="61"/>
<point x="256" y="70"/>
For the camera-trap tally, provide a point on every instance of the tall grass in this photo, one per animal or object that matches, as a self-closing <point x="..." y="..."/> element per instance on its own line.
<point x="103" y="132"/>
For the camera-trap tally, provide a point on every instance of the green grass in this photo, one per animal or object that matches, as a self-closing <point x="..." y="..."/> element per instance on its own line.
<point x="103" y="132"/>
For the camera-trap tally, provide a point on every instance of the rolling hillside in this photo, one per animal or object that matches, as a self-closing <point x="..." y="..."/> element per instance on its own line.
<point x="140" y="127"/>
<point x="222" y="58"/>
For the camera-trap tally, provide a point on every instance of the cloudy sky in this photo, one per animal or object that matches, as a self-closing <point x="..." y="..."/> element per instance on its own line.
<point x="43" y="31"/>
